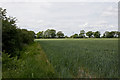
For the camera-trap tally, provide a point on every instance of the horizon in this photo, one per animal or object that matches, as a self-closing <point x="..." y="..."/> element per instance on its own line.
<point x="68" y="17"/>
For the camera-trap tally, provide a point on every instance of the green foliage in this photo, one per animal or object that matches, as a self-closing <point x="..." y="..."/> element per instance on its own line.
<point x="40" y="34"/>
<point x="118" y="34"/>
<point x="97" y="34"/>
<point x="89" y="34"/>
<point x="60" y="34"/>
<point x="82" y="58"/>
<point x="82" y="34"/>
<point x="108" y="34"/>
<point x="112" y="34"/>
<point x="13" y="38"/>
<point x="0" y="65"/>
<point x="27" y="36"/>
<point x="33" y="63"/>
<point x="9" y="36"/>
<point x="75" y="36"/>
<point x="66" y="37"/>
<point x="53" y="33"/>
<point x="50" y="33"/>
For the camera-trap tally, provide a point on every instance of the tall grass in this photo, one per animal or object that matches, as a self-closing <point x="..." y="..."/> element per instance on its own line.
<point x="33" y="63"/>
<point x="0" y="66"/>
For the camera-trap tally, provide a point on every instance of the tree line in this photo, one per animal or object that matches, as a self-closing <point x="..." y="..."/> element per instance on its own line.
<point x="51" y="33"/>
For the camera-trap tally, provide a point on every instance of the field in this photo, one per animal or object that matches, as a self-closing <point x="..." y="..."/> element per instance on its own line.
<point x="79" y="58"/>
<point x="64" y="58"/>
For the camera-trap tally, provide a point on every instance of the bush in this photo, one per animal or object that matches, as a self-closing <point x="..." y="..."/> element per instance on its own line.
<point x="13" y="38"/>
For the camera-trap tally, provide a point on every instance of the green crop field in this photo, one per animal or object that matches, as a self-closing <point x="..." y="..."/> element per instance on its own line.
<point x="79" y="58"/>
<point x="64" y="58"/>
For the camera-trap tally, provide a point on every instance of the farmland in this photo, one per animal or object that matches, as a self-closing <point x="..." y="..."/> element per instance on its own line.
<point x="79" y="58"/>
<point x="52" y="47"/>
<point x="64" y="58"/>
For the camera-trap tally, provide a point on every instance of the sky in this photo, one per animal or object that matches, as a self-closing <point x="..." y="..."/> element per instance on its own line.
<point x="69" y="17"/>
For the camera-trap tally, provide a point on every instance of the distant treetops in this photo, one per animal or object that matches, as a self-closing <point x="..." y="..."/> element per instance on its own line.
<point x="51" y="33"/>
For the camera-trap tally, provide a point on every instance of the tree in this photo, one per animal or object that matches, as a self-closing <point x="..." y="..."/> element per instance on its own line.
<point x="40" y="34"/>
<point x="97" y="34"/>
<point x="32" y="34"/>
<point x="105" y="34"/>
<point x="66" y="36"/>
<point x="9" y="36"/>
<point x="108" y="34"/>
<point x="75" y="36"/>
<point x="53" y="33"/>
<point x="82" y="34"/>
<point x="13" y="38"/>
<point x="47" y="33"/>
<point x="0" y="31"/>
<point x="113" y="33"/>
<point x="118" y="34"/>
<point x="89" y="34"/>
<point x="50" y="33"/>
<point x="60" y="34"/>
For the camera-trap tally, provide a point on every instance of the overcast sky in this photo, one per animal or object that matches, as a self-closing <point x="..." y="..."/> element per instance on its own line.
<point x="69" y="17"/>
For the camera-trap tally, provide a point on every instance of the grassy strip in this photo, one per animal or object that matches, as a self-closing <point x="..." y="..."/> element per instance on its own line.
<point x="79" y="39"/>
<point x="0" y="67"/>
<point x="33" y="63"/>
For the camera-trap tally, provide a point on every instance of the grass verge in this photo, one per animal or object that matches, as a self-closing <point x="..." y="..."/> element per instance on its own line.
<point x="33" y="63"/>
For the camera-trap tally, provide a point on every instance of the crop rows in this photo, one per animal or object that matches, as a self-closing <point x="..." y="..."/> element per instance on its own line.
<point x="82" y="58"/>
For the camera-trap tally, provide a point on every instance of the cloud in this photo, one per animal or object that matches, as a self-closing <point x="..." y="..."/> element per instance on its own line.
<point x="67" y="17"/>
<point x="110" y="11"/>
<point x="59" y="0"/>
<point x="102" y="22"/>
<point x="40" y="21"/>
